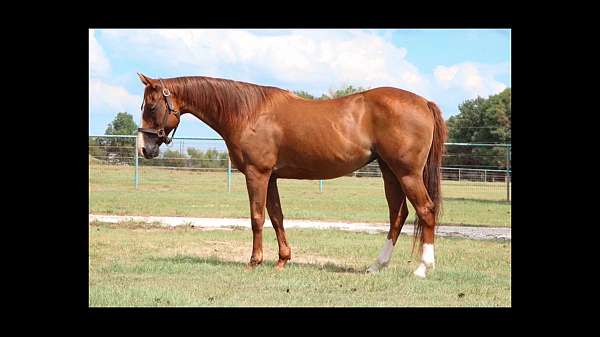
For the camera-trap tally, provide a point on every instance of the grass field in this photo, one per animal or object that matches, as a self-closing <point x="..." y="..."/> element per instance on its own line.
<point x="143" y="265"/>
<point x="204" y="194"/>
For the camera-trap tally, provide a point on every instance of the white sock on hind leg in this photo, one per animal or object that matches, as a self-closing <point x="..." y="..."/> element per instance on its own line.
<point x="427" y="260"/>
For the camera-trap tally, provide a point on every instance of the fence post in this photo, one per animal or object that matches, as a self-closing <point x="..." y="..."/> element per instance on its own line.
<point x="228" y="173"/>
<point x="321" y="185"/>
<point x="507" y="173"/>
<point x="136" y="175"/>
<point x="485" y="176"/>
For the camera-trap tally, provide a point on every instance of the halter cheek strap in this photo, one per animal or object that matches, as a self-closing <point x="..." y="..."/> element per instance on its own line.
<point x="160" y="132"/>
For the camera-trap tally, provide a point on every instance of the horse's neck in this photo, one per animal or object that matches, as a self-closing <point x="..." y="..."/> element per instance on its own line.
<point x="230" y="126"/>
<point x="210" y="121"/>
<point x="214" y="122"/>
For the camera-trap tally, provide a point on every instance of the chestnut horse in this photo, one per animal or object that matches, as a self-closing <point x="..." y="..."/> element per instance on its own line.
<point x="271" y="133"/>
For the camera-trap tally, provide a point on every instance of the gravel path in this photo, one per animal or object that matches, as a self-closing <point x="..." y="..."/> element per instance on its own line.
<point x="478" y="233"/>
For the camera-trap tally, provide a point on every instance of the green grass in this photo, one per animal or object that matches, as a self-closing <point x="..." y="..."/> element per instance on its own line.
<point x="204" y="194"/>
<point x="143" y="265"/>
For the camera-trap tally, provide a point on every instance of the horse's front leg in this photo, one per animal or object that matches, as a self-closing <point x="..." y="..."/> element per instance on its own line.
<point x="276" y="215"/>
<point x="257" y="182"/>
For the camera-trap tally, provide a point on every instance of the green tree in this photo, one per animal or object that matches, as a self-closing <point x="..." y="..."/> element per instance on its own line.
<point x="116" y="150"/>
<point x="481" y="120"/>
<point x="333" y="93"/>
<point x="123" y="124"/>
<point x="344" y="91"/>
<point x="304" y="94"/>
<point x="195" y="156"/>
<point x="97" y="150"/>
<point x="173" y="158"/>
<point x="212" y="158"/>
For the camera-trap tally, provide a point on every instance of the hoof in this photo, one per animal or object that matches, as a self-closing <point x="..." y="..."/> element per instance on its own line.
<point x="251" y="266"/>
<point x="281" y="262"/>
<point x="375" y="267"/>
<point x="420" y="273"/>
<point x="422" y="270"/>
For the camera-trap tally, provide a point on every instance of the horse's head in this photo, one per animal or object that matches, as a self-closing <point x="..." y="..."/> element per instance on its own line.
<point x="160" y="115"/>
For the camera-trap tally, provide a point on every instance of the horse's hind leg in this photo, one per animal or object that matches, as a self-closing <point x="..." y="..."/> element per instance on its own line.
<point x="413" y="186"/>
<point x="407" y="161"/>
<point x="276" y="215"/>
<point x="398" y="212"/>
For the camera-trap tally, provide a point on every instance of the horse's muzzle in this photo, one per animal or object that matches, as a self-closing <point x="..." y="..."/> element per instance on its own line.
<point x="149" y="154"/>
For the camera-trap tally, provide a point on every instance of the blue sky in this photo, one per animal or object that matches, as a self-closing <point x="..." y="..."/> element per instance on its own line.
<point x="445" y="66"/>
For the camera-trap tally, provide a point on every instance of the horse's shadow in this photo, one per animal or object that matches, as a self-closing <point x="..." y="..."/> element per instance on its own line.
<point x="217" y="261"/>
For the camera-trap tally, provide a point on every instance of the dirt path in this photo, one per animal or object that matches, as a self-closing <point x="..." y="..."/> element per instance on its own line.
<point x="478" y="233"/>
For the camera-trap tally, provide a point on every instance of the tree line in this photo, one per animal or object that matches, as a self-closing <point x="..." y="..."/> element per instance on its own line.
<point x="479" y="120"/>
<point x="211" y="158"/>
<point x="485" y="121"/>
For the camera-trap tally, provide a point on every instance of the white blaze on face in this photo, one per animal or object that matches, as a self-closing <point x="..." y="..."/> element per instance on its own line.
<point x="140" y="136"/>
<point x="140" y="143"/>
<point x="427" y="260"/>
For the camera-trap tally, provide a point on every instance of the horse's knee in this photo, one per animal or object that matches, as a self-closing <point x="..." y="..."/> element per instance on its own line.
<point x="427" y="214"/>
<point x="258" y="220"/>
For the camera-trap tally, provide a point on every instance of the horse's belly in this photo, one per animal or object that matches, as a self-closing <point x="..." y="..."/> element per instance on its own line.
<point x="303" y="166"/>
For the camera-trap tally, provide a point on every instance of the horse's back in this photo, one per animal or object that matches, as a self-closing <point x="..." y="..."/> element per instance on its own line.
<point x="325" y="139"/>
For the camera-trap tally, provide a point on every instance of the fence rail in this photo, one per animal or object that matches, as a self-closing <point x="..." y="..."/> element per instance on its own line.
<point x="472" y="162"/>
<point x="476" y="184"/>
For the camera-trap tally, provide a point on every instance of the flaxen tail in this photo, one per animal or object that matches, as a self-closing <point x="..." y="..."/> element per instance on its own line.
<point x="432" y="173"/>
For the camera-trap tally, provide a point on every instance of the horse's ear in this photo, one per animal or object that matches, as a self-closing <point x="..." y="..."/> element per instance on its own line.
<point x="145" y="79"/>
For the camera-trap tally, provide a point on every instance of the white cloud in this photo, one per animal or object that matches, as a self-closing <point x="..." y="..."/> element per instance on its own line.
<point x="445" y="74"/>
<point x="105" y="98"/>
<point x="99" y="64"/>
<point x="472" y="79"/>
<point x="309" y="58"/>
<point x="109" y="99"/>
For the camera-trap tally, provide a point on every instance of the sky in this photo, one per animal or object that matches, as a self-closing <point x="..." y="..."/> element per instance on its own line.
<point x="445" y="66"/>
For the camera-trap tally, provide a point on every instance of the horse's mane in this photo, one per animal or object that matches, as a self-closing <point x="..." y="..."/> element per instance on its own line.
<point x="229" y="101"/>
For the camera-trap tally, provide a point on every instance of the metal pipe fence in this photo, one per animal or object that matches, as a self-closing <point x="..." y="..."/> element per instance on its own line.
<point x="471" y="172"/>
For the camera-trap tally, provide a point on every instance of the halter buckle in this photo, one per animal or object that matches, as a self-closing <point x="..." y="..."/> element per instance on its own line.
<point x="166" y="92"/>
<point x="160" y="133"/>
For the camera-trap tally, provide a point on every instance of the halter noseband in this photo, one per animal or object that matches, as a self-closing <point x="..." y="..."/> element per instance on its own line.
<point x="160" y="132"/>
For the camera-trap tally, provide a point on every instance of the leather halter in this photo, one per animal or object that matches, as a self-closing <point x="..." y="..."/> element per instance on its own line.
<point x="160" y="132"/>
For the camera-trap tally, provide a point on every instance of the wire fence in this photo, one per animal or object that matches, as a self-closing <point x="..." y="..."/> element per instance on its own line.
<point x="477" y="176"/>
